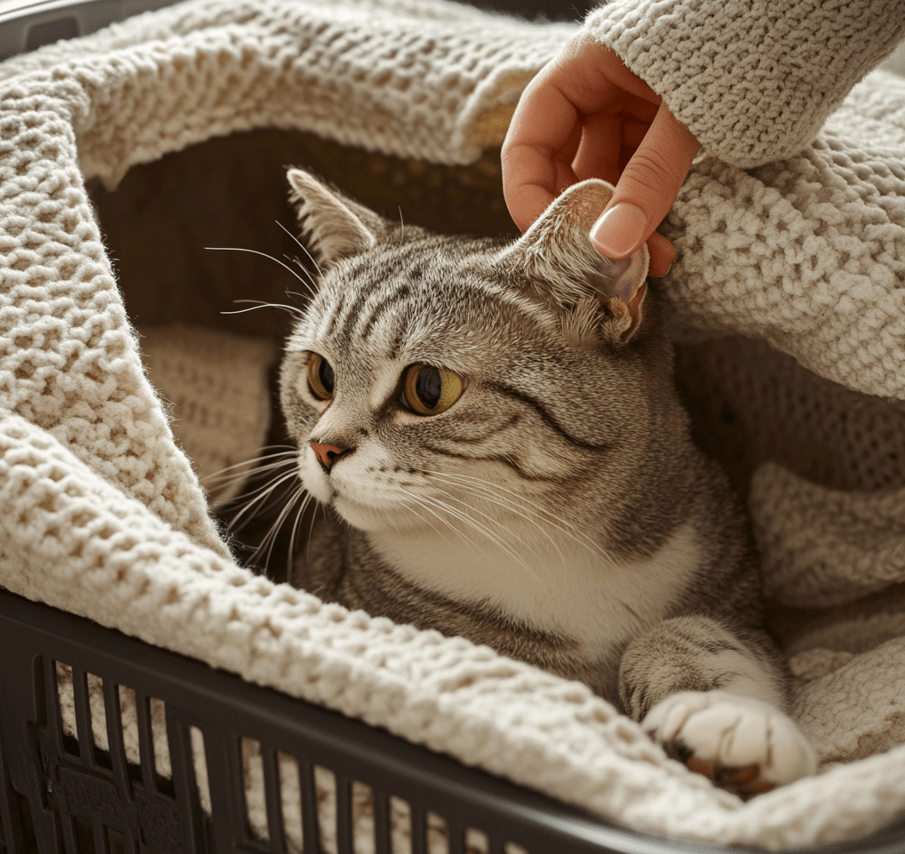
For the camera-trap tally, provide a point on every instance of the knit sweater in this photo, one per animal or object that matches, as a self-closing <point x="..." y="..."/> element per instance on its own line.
<point x="787" y="298"/>
<point x="753" y="81"/>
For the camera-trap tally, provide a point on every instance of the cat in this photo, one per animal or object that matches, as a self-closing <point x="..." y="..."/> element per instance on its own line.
<point x="493" y="433"/>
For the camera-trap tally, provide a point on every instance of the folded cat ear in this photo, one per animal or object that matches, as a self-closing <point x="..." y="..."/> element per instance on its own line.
<point x="558" y="263"/>
<point x="334" y="225"/>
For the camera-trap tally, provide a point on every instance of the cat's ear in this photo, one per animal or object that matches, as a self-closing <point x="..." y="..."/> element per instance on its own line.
<point x="334" y="225"/>
<point x="558" y="263"/>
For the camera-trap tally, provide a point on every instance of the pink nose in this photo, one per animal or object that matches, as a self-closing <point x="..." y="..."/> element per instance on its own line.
<point x="326" y="454"/>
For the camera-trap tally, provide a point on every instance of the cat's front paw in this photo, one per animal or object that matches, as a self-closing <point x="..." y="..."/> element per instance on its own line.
<point x="744" y="745"/>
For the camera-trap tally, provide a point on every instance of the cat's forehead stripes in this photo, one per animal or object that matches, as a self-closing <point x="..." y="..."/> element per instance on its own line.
<point x="403" y="299"/>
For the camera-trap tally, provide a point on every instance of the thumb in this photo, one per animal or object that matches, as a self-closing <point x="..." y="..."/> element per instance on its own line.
<point x="647" y="187"/>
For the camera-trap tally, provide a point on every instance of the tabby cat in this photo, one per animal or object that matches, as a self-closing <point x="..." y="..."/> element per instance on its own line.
<point x="494" y="434"/>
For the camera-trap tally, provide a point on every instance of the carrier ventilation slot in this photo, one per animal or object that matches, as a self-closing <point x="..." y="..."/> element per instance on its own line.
<point x="109" y="760"/>
<point x="308" y="805"/>
<point x="126" y="759"/>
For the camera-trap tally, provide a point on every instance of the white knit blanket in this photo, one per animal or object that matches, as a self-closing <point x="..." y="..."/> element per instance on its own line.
<point x="101" y="513"/>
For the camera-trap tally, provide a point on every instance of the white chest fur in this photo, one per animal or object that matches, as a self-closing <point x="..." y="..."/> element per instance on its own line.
<point x="563" y="586"/>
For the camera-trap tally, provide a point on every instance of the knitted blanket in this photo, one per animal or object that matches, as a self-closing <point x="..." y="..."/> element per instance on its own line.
<point x="788" y="299"/>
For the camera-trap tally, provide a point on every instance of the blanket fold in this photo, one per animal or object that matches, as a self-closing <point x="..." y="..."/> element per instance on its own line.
<point x="103" y="514"/>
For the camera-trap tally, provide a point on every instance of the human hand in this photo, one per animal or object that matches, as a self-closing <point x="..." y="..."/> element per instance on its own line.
<point x="586" y="115"/>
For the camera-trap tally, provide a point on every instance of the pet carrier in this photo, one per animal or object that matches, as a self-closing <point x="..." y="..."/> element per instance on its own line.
<point x="157" y="697"/>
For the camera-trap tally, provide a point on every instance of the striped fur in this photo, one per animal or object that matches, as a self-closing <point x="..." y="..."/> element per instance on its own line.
<point x="558" y="511"/>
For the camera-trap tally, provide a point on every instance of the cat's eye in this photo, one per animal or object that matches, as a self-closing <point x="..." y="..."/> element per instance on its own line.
<point x="321" y="378"/>
<point x="429" y="391"/>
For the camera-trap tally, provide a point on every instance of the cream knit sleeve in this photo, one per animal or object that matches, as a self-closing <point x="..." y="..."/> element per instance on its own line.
<point x="753" y="80"/>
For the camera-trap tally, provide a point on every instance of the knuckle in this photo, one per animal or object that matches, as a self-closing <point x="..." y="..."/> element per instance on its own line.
<point x="651" y="169"/>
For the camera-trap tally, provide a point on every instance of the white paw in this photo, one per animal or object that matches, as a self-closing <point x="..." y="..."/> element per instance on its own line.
<point x="742" y="744"/>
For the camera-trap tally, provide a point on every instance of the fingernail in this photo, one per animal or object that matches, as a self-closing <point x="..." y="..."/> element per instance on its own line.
<point x="619" y="230"/>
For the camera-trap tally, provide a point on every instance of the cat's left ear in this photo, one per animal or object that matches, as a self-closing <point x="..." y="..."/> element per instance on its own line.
<point x="334" y="225"/>
<point x="558" y="263"/>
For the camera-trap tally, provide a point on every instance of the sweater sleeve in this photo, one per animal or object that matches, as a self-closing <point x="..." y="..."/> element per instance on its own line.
<point x="753" y="80"/>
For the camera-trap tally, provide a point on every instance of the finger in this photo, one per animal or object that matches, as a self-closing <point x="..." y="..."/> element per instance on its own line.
<point x="633" y="134"/>
<point x="647" y="188"/>
<point x="532" y="181"/>
<point x="662" y="254"/>
<point x="600" y="148"/>
<point x="533" y="169"/>
<point x="565" y="157"/>
<point x="577" y="83"/>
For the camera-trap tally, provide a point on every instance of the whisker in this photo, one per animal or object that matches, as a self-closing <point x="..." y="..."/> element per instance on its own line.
<point x="266" y="488"/>
<point x="251" y="475"/>
<point x="248" y="467"/>
<point x="265" y="492"/>
<point x="302" y="247"/>
<point x="270" y="538"/>
<point x="261" y="304"/>
<point x="570" y="530"/>
<point x="419" y="504"/>
<point x="486" y="496"/>
<point x="487" y="532"/>
<point x="290" y="557"/>
<point x="293" y="260"/>
<point x="263" y="255"/>
<point x="492" y="487"/>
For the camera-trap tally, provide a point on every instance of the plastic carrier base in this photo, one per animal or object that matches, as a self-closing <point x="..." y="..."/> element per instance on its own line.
<point x="62" y="793"/>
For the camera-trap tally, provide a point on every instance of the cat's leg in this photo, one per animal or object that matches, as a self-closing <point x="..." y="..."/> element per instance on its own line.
<point x="715" y="699"/>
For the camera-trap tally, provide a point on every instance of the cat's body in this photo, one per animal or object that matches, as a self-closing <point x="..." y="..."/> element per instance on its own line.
<point x="496" y="439"/>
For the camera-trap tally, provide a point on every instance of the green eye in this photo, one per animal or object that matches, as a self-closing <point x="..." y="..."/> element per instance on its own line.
<point x="429" y="391"/>
<point x="320" y="377"/>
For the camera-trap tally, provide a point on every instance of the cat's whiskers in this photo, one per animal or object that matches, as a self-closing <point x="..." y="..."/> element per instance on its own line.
<point x="442" y="514"/>
<point x="307" y="283"/>
<point x="413" y="501"/>
<point x="536" y="520"/>
<point x="306" y="501"/>
<point x="260" y="495"/>
<point x="249" y="465"/>
<point x="439" y="532"/>
<point x="270" y="537"/>
<point x="256" y="304"/>
<point x="488" y="533"/>
<point x="243" y="471"/>
<point x="489" y="491"/>
<point x="248" y="474"/>
<point x="304" y="249"/>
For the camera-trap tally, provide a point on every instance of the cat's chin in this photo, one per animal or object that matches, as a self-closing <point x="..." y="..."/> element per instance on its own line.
<point x="370" y="518"/>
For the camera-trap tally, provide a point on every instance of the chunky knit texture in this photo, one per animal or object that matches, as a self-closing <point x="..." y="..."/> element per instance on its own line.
<point x="753" y="81"/>
<point x="799" y="264"/>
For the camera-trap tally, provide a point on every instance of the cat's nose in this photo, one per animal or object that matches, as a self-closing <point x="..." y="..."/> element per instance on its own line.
<point x="327" y="454"/>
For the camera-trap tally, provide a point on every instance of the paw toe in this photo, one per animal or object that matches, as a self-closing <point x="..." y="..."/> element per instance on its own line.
<point x="744" y="745"/>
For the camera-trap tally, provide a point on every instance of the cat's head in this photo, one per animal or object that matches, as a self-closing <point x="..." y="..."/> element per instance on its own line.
<point x="447" y="381"/>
